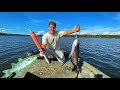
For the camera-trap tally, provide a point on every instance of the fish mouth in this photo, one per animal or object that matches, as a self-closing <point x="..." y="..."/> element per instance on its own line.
<point x="75" y="45"/>
<point x="33" y="58"/>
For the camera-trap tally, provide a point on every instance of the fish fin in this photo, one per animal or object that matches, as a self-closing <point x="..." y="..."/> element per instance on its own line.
<point x="74" y="68"/>
<point x="13" y="65"/>
<point x="28" y="66"/>
<point x="7" y="73"/>
<point x="20" y="59"/>
<point x="71" y="53"/>
<point x="17" y="72"/>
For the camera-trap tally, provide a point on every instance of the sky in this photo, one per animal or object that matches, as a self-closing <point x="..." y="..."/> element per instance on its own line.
<point x="90" y="22"/>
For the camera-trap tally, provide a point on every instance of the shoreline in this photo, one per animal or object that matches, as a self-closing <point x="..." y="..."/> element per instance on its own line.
<point x="80" y="36"/>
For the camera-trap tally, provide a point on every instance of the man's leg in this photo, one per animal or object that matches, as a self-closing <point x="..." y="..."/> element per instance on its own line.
<point x="57" y="54"/>
<point x="60" y="56"/>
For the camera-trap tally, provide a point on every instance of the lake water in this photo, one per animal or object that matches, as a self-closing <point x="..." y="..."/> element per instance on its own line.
<point x="103" y="53"/>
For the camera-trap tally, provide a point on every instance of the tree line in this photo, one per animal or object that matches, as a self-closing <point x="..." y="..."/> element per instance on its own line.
<point x="95" y="36"/>
<point x="85" y="35"/>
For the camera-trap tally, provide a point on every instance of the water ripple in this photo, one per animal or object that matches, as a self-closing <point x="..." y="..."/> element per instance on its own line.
<point x="103" y="53"/>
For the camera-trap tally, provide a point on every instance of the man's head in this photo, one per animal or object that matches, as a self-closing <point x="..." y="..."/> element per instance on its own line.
<point x="52" y="27"/>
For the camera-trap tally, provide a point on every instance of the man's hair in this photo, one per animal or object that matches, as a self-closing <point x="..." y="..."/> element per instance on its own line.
<point x="52" y="23"/>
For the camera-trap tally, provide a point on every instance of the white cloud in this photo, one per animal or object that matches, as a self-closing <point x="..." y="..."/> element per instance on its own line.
<point x="23" y="28"/>
<point x="102" y="30"/>
<point x="83" y="33"/>
<point x="17" y="27"/>
<point x="40" y="32"/>
<point x="36" y="21"/>
<point x="111" y="33"/>
<point x="64" y="29"/>
<point x="97" y="30"/>
<point x="3" y="30"/>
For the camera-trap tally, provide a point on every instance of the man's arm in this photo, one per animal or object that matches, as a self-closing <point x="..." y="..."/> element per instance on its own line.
<point x="69" y="32"/>
<point x="44" y="41"/>
<point x="75" y="29"/>
<point x="44" y="46"/>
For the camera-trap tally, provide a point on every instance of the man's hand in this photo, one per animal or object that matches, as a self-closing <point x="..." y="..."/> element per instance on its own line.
<point x="42" y="52"/>
<point x="76" y="28"/>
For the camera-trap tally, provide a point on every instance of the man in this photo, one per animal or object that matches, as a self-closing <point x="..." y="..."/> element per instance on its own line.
<point x="50" y="41"/>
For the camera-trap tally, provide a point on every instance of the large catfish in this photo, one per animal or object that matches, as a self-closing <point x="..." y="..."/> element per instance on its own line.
<point x="74" y="54"/>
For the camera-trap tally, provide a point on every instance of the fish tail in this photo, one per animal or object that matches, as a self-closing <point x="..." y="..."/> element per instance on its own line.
<point x="74" y="68"/>
<point x="7" y="73"/>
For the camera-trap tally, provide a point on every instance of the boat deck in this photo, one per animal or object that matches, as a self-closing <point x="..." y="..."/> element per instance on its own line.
<point x="55" y="69"/>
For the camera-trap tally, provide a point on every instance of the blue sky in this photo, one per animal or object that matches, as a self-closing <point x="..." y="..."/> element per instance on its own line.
<point x="90" y="22"/>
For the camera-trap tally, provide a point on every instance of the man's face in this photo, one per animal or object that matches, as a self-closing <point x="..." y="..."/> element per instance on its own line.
<point x="51" y="29"/>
